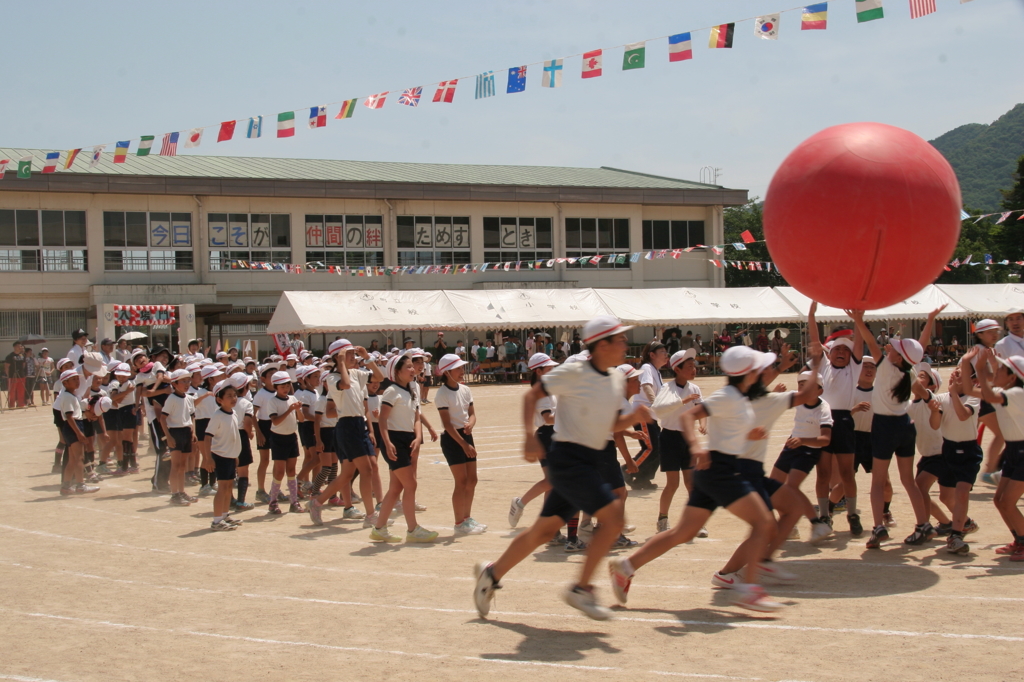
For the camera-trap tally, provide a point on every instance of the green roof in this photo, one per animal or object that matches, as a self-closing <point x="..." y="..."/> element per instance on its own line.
<point x="195" y="166"/>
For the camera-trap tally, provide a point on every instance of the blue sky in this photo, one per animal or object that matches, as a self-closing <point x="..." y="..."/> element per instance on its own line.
<point x="79" y="74"/>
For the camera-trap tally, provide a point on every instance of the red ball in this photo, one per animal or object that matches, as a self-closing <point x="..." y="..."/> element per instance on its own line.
<point x="862" y="215"/>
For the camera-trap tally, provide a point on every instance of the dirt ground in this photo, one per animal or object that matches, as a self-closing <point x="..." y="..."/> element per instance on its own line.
<point x="120" y="585"/>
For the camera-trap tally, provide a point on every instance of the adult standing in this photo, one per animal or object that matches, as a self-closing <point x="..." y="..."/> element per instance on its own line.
<point x="78" y="340"/>
<point x="763" y="344"/>
<point x="777" y="342"/>
<point x="122" y="352"/>
<point x="14" y="370"/>
<point x="44" y="375"/>
<point x="30" y="377"/>
<point x="440" y="347"/>
<point x="653" y="358"/>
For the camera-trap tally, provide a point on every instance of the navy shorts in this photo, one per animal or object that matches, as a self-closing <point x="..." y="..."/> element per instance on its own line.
<point x="802" y="459"/>
<point x="112" y="420"/>
<point x="402" y="440"/>
<point x="307" y="436"/>
<point x="181" y="439"/>
<point x="376" y="436"/>
<point x="892" y="434"/>
<point x="327" y="438"/>
<point x="719" y="485"/>
<point x="245" y="456"/>
<point x="58" y="419"/>
<point x="963" y="462"/>
<point x="862" y="450"/>
<point x="545" y="434"/>
<point x="264" y="427"/>
<point x="1013" y="460"/>
<point x="753" y="472"/>
<point x="225" y="467"/>
<point x="611" y="472"/>
<point x="352" y="439"/>
<point x="675" y="451"/>
<point x="201" y="425"/>
<point x="985" y="408"/>
<point x="576" y="481"/>
<point x="934" y="465"/>
<point x="452" y="451"/>
<point x="69" y="433"/>
<point x="842" y="442"/>
<point x="283" y="446"/>
<point x="128" y="419"/>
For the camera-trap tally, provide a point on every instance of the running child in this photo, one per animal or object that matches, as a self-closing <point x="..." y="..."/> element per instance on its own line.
<point x="544" y="425"/>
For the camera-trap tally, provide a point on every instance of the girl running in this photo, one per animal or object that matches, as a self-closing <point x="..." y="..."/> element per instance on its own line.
<point x="653" y="358"/>
<point x="544" y="425"/>
<point x="454" y="402"/>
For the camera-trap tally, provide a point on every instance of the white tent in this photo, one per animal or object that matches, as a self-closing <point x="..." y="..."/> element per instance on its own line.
<point x="661" y="307"/>
<point x="916" y="307"/>
<point x="987" y="300"/>
<point x="526" y="308"/>
<point x="356" y="311"/>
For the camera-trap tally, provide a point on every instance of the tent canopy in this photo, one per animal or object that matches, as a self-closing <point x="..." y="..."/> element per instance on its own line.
<point x="916" y="307"/>
<point x="526" y="308"/>
<point x="362" y="311"/>
<point x="662" y="307"/>
<point x="987" y="300"/>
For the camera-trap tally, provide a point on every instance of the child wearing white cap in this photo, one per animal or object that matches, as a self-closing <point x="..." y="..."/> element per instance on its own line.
<point x="284" y="441"/>
<point x="986" y="336"/>
<point x="261" y="405"/>
<point x="123" y="397"/>
<point x="544" y="425"/>
<point x="69" y="407"/>
<point x="454" y="402"/>
<point x="246" y="418"/>
<point x="931" y="467"/>
<point x="224" y="447"/>
<point x="176" y="421"/>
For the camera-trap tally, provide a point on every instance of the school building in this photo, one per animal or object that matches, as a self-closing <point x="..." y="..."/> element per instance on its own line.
<point x="170" y="231"/>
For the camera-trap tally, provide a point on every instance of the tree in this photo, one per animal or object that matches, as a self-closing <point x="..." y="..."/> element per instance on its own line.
<point x="738" y="219"/>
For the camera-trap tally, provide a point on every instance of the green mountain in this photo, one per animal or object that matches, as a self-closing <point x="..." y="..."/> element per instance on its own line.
<point x="984" y="157"/>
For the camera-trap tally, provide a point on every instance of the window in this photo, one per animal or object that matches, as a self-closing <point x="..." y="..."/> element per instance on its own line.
<point x="672" y="234"/>
<point x="135" y="241"/>
<point x="48" y="241"/>
<point x="432" y="240"/>
<point x="597" y="237"/>
<point x="517" y="239"/>
<point x="251" y="237"/>
<point x="353" y="240"/>
<point x="53" y="324"/>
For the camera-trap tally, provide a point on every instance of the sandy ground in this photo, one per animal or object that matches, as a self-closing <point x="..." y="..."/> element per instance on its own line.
<point x="120" y="585"/>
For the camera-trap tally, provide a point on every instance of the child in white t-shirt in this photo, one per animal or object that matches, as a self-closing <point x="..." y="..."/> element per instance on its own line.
<point x="284" y="441"/>
<point x="224" y="446"/>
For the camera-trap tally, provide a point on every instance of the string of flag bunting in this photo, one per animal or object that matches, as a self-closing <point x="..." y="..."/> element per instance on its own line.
<point x="813" y="17"/>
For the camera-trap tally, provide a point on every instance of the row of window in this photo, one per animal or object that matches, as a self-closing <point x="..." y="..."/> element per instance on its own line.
<point x="53" y="324"/>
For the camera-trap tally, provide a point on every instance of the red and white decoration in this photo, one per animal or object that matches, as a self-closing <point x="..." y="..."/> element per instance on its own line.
<point x="144" y="315"/>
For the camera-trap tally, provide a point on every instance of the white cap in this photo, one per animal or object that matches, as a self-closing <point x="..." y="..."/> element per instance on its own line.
<point x="415" y="353"/>
<point x="220" y="354"/>
<point x="630" y="371"/>
<point x="739" y="360"/>
<point x="985" y="325"/>
<point x="602" y="327"/>
<point x="291" y="356"/>
<point x="94" y="364"/>
<point x="102" y="405"/>
<point x="209" y="371"/>
<point x="239" y="381"/>
<point x="221" y="385"/>
<point x="390" y="367"/>
<point x="304" y="354"/>
<point x="339" y="346"/>
<point x="925" y="367"/>
<point x="807" y="376"/>
<point x="681" y="356"/>
<point x="178" y="375"/>
<point x="449" y="362"/>
<point x="193" y="368"/>
<point x="123" y="370"/>
<point x="538" y="360"/>
<point x="136" y="353"/>
<point x="841" y="341"/>
<point x="65" y="361"/>
<point x="281" y="378"/>
<point x="112" y="365"/>
<point x="205" y="361"/>
<point x="1014" y="362"/>
<point x="870" y="359"/>
<point x="68" y="374"/>
<point x="909" y="349"/>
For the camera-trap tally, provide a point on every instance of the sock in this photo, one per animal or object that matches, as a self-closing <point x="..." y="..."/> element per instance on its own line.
<point x="573" y="526"/>
<point x="662" y="516"/>
<point x="204" y="477"/>
<point x="293" y="490"/>
<point x="275" y="488"/>
<point x="885" y="507"/>
<point x="321" y="479"/>
<point x="243" y="487"/>
<point x="627" y="567"/>
<point x="64" y="458"/>
<point x="851" y="505"/>
<point x="332" y="473"/>
<point x="218" y="519"/>
<point x="956" y="533"/>
<point x="824" y="506"/>
<point x="58" y="453"/>
<point x="831" y="507"/>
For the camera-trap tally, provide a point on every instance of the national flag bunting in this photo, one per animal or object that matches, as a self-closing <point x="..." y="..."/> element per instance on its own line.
<point x="317" y="117"/>
<point x="120" y="151"/>
<point x="680" y="47"/>
<point x="721" y="36"/>
<point x="72" y="155"/>
<point x="921" y="8"/>
<point x="3" y="167"/>
<point x="411" y="97"/>
<point x="194" y="139"/>
<point x="1002" y="216"/>
<point x="286" y="124"/>
<point x="445" y="91"/>
<point x="964" y="215"/>
<point x="25" y="167"/>
<point x="170" y="145"/>
<point x="768" y="26"/>
<point x="51" y="162"/>
<point x="634" y="56"/>
<point x="516" y="79"/>
<point x="375" y="101"/>
<point x="226" y="132"/>
<point x="592" y="63"/>
<point x="747" y="237"/>
<point x="348" y="107"/>
<point x="255" y="127"/>
<point x="869" y="10"/>
<point x="552" y="74"/>
<point x="484" y="85"/>
<point x="97" y="154"/>
<point x="814" y="17"/>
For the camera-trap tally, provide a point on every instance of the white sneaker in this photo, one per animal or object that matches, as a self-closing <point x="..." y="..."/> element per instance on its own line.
<point x="726" y="581"/>
<point x="819" y="532"/>
<point x="371" y="521"/>
<point x="628" y="528"/>
<point x="421" y="534"/>
<point x="353" y="513"/>
<point x="515" y="512"/>
<point x="753" y="597"/>
<point x="620" y="579"/>
<point x="581" y="599"/>
<point x="466" y="528"/>
<point x="703" y="532"/>
<point x="662" y="525"/>
<point x="383" y="535"/>
<point x="421" y="507"/>
<point x="483" y="591"/>
<point x="772" y="570"/>
<point x="476" y="524"/>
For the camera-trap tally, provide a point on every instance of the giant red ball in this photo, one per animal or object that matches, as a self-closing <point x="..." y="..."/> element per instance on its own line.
<point x="862" y="215"/>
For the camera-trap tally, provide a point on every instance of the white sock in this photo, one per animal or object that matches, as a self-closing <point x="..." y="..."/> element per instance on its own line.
<point x="218" y="519"/>
<point x="851" y="505"/>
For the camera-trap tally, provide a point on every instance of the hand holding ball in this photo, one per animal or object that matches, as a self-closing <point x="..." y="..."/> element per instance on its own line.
<point x="862" y="215"/>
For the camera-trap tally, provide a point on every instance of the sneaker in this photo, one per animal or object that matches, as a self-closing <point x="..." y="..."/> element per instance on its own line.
<point x="355" y="498"/>
<point x="68" y="490"/>
<point x="856" y="528"/>
<point x="955" y="545"/>
<point x="582" y="599"/>
<point x="103" y="469"/>
<point x="262" y="497"/>
<point x="222" y="525"/>
<point x="119" y="472"/>
<point x="133" y="470"/>
<point x="988" y="478"/>
<point x="943" y="529"/>
<point x="775" y="572"/>
<point x="662" y="525"/>
<point x="624" y="542"/>
<point x="587" y="525"/>
<point x="421" y="534"/>
<point x="314" y="512"/>
<point x="515" y="512"/>
<point x="888" y="519"/>
<point x="1018" y="555"/>
<point x="483" y="591"/>
<point x="234" y="522"/>
<point x="726" y="581"/>
<point x="93" y="478"/>
<point x="273" y="508"/>
<point x="82" y="489"/>
<point x="753" y="597"/>
<point x="840" y="506"/>
<point x="335" y="502"/>
<point x="383" y="535"/>
<point x="820" y="530"/>
<point x="296" y="508"/>
<point x="353" y="513"/>
<point x="191" y="498"/>
<point x="206" y="490"/>
<point x="243" y="506"/>
<point x="467" y="528"/>
<point x="421" y="507"/>
<point x="371" y="521"/>
<point x="179" y="500"/>
<point x="306" y="487"/>
<point x="281" y="497"/>
<point x="878" y="536"/>
<point x="628" y="528"/>
<point x="558" y="539"/>
<point x="620" y="580"/>
<point x="703" y="532"/>
<point x="922" y="534"/>
<point x="476" y="524"/>
<point x="575" y="545"/>
<point x="970" y="526"/>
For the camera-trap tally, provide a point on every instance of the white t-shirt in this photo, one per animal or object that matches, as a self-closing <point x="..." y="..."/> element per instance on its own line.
<point x="261" y="403"/>
<point x="457" y="403"/>
<point x="405" y="405"/>
<point x="862" y="420"/>
<point x="307" y="398"/>
<point x="223" y="427"/>
<point x="886" y="378"/>
<point x="1011" y="415"/>
<point x="589" y="402"/>
<point x="684" y="392"/>
<point x="373" y="405"/>
<point x="545" y="404"/>
<point x="929" y="440"/>
<point x="651" y="377"/>
<point x="321" y="408"/>
<point x="206" y="407"/>
<point x="951" y="427"/>
<point x="809" y="419"/>
<point x="179" y="410"/>
<point x="277" y="406"/>
<point x="349" y="401"/>
<point x="730" y="421"/>
<point x="66" y="403"/>
<point x="126" y="388"/>
<point x="839" y="383"/>
<point x="767" y="410"/>
<point x="243" y="408"/>
<point x="75" y="354"/>
<point x="1010" y="345"/>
